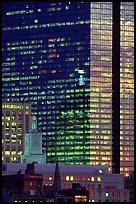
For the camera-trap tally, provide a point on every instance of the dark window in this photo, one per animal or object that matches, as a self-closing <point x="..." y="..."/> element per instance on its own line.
<point x="99" y="186"/>
<point x="93" y="186"/>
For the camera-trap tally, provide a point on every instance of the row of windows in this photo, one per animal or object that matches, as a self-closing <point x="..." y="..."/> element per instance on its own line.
<point x="45" y="50"/>
<point x="46" y="25"/>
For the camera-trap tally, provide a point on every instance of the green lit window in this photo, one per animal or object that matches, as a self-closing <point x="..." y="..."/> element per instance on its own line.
<point x="99" y="179"/>
<point x="14" y="123"/>
<point x="13" y="141"/>
<point x="7" y="117"/>
<point x="13" y="152"/>
<point x="100" y="171"/>
<point x="92" y="178"/>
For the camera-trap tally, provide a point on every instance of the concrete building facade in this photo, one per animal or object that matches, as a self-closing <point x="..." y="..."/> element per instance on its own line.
<point x="15" y="122"/>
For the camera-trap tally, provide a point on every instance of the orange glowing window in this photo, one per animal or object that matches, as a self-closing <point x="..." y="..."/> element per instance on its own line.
<point x="52" y="55"/>
<point x="52" y="40"/>
<point x="63" y="186"/>
<point x="92" y="193"/>
<point x="50" y="178"/>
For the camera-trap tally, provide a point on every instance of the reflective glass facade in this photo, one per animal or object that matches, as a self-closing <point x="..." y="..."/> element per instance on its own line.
<point x="58" y="55"/>
<point x="101" y="83"/>
<point x="127" y="87"/>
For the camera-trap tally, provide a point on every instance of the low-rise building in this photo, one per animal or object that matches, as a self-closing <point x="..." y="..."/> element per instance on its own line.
<point x="102" y="185"/>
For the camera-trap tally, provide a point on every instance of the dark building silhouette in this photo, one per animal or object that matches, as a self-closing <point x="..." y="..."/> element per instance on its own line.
<point x="23" y="183"/>
<point x="7" y="195"/>
<point x="57" y="178"/>
<point x="129" y="184"/>
<point x="74" y="194"/>
<point x="116" y="89"/>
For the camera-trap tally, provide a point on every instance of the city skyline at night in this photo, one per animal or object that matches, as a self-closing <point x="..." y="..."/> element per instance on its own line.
<point x="60" y="57"/>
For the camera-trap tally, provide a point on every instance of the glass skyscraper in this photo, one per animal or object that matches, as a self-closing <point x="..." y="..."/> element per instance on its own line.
<point x="58" y="55"/>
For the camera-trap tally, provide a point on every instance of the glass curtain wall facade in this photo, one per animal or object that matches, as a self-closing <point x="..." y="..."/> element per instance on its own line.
<point x="101" y="83"/>
<point x="127" y="87"/>
<point x="47" y="61"/>
<point x="58" y="55"/>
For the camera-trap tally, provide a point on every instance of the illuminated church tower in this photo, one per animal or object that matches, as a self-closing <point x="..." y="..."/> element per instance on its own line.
<point x="33" y="145"/>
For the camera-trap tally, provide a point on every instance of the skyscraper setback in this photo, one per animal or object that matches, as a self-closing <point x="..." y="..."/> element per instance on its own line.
<point x="61" y="56"/>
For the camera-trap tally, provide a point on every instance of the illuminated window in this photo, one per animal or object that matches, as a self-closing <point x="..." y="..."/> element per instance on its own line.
<point x="99" y="179"/>
<point x="50" y="178"/>
<point x="71" y="178"/>
<point x="13" y="152"/>
<point x="36" y="20"/>
<point x="92" y="200"/>
<point x="107" y="194"/>
<point x="88" y="179"/>
<point x="92" y="178"/>
<point x="7" y="152"/>
<point x="13" y="159"/>
<point x="67" y="178"/>
<point x="30" y="183"/>
<point x="80" y="198"/>
<point x="100" y="171"/>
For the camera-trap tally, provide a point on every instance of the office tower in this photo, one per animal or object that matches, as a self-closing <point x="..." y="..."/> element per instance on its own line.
<point x="127" y="86"/>
<point x="61" y="57"/>
<point x="15" y="122"/>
